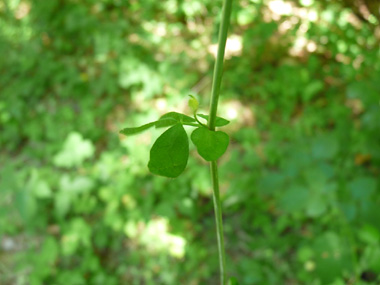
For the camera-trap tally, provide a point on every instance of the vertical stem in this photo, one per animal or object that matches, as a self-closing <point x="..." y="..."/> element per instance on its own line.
<point x="218" y="221"/>
<point x="216" y="82"/>
<point x="218" y="68"/>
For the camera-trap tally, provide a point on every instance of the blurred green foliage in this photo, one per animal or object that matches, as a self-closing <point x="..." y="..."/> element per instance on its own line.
<point x="300" y="182"/>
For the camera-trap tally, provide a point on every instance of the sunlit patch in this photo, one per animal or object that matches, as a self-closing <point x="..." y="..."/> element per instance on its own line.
<point x="298" y="46"/>
<point x="372" y="19"/>
<point x="358" y="61"/>
<point x="307" y="2"/>
<point x="280" y="7"/>
<point x="342" y="58"/>
<point x="160" y="29"/>
<point x="364" y="10"/>
<point x="312" y="15"/>
<point x="324" y="40"/>
<point x="133" y="38"/>
<point x="155" y="237"/>
<point x="356" y="106"/>
<point x="309" y="265"/>
<point x="22" y="10"/>
<point x="232" y="113"/>
<point x="353" y="20"/>
<point x="234" y="47"/>
<point x="241" y="114"/>
<point x="311" y="46"/>
<point x="161" y="105"/>
<point x="285" y="26"/>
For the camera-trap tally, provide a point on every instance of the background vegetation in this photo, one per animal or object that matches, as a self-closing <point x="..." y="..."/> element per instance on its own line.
<point x="300" y="182"/>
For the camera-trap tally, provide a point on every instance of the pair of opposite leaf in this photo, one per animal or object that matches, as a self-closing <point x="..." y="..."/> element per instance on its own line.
<point x="170" y="152"/>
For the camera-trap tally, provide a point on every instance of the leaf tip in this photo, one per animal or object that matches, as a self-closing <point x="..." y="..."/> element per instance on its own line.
<point x="193" y="103"/>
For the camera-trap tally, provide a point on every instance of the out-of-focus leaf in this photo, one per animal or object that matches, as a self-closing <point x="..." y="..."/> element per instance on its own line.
<point x="26" y="204"/>
<point x="62" y="203"/>
<point x="332" y="257"/>
<point x="294" y="198"/>
<point x="316" y="207"/>
<point x="78" y="234"/>
<point x="371" y="258"/>
<point x="369" y="234"/>
<point x="311" y="90"/>
<point x="325" y="147"/>
<point x="362" y="188"/>
<point x="75" y="151"/>
<point x="38" y="187"/>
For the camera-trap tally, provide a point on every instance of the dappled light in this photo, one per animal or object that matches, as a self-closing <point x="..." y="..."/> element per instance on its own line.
<point x="155" y="237"/>
<point x="297" y="142"/>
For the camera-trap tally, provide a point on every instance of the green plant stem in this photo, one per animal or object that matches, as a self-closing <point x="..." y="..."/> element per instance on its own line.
<point x="216" y="82"/>
<point x="218" y="68"/>
<point x="218" y="221"/>
<point x="199" y="122"/>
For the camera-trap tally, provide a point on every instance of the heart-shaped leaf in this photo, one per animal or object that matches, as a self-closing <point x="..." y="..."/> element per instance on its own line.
<point x="210" y="144"/>
<point x="219" y="122"/>
<point x="170" y="152"/>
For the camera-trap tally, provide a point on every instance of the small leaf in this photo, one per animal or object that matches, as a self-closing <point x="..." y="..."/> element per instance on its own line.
<point x="219" y="122"/>
<point x="193" y="103"/>
<point x="170" y="152"/>
<point x="210" y="144"/>
<point x="180" y="118"/>
<point x="137" y="130"/>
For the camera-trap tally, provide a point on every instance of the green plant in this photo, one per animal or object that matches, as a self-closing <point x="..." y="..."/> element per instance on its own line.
<point x="169" y="154"/>
<point x="300" y="189"/>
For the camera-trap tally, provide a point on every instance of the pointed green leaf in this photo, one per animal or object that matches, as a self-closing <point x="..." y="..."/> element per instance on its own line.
<point x="169" y="154"/>
<point x="210" y="144"/>
<point x="137" y="130"/>
<point x="219" y="122"/>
